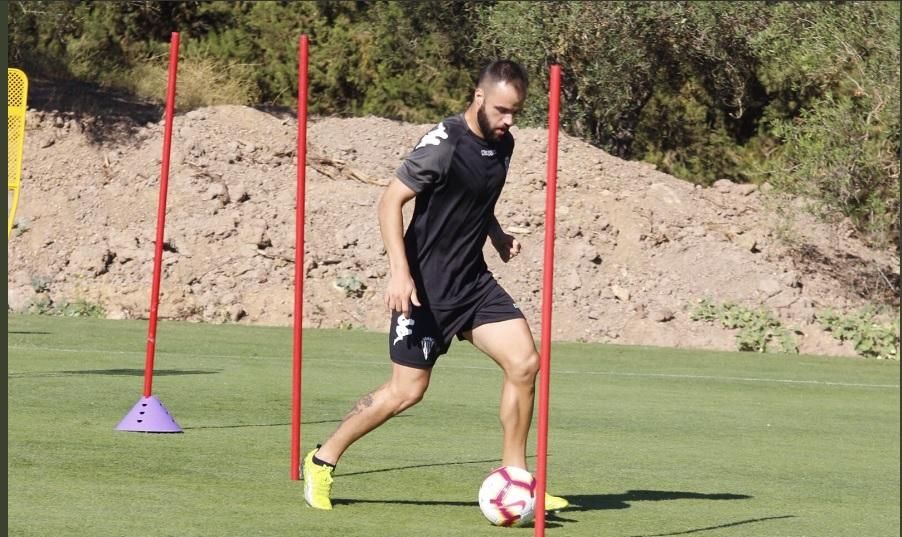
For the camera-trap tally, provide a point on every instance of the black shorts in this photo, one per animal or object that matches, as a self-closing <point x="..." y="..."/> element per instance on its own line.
<point x="418" y="341"/>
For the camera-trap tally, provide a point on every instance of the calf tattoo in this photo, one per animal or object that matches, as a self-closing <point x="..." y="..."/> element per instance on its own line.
<point x="364" y="402"/>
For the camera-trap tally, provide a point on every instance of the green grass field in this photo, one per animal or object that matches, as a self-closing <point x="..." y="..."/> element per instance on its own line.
<point x="644" y="441"/>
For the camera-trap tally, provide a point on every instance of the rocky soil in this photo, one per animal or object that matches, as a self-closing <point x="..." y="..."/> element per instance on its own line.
<point x="636" y="249"/>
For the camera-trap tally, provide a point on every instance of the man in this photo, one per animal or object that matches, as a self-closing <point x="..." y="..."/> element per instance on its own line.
<point x="440" y="285"/>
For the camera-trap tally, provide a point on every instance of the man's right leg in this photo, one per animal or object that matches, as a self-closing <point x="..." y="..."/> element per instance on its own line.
<point x="405" y="388"/>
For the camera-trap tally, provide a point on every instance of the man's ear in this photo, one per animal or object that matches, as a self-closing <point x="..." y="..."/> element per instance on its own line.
<point x="478" y="96"/>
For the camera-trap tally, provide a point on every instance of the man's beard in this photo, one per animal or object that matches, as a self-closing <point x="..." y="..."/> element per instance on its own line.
<point x="487" y="131"/>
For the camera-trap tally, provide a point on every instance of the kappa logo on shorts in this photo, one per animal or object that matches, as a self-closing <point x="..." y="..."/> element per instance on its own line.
<point x="433" y="137"/>
<point x="402" y="330"/>
<point x="427" y="344"/>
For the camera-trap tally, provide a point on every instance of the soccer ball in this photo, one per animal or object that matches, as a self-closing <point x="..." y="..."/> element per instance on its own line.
<point x="507" y="497"/>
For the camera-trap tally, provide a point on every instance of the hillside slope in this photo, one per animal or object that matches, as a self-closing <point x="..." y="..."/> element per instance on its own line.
<point x="636" y="248"/>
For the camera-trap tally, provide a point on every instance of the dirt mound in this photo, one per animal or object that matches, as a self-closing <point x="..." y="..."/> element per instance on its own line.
<point x="636" y="248"/>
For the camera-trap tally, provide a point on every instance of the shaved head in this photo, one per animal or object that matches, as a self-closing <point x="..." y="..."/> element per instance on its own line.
<point x="505" y="71"/>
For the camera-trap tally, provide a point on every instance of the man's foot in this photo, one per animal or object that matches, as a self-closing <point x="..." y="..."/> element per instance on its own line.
<point x="555" y="503"/>
<point x="317" y="483"/>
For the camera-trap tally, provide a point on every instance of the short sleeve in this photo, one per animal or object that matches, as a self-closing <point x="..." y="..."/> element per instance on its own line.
<point x="429" y="160"/>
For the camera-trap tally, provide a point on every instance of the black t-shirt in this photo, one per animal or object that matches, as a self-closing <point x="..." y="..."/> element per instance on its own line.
<point x="458" y="177"/>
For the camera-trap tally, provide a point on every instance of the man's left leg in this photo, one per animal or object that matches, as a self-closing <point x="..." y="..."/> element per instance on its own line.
<point x="509" y="343"/>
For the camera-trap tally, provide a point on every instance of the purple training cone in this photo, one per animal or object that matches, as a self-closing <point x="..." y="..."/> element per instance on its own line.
<point x="149" y="416"/>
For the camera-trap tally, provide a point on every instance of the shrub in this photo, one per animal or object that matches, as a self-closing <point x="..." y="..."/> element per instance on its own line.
<point x="758" y="329"/>
<point x="202" y="81"/>
<point x="871" y="338"/>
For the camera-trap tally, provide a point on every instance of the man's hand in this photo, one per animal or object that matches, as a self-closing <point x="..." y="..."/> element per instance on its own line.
<point x="399" y="294"/>
<point x="507" y="245"/>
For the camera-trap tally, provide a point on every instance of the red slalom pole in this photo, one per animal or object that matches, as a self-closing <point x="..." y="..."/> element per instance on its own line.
<point x="149" y="415"/>
<point x="299" y="260"/>
<point x="554" y="94"/>
<point x="161" y="216"/>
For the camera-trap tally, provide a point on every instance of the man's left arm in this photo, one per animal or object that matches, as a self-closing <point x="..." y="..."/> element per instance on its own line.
<point x="507" y="245"/>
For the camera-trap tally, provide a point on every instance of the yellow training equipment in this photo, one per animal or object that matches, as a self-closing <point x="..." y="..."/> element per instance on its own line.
<point x="17" y="94"/>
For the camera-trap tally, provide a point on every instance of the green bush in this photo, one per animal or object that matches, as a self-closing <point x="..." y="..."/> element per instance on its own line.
<point x="202" y="81"/>
<point x="759" y="330"/>
<point x="351" y="286"/>
<point x="44" y="305"/>
<point x="81" y="308"/>
<point x="871" y="337"/>
<point x="835" y="69"/>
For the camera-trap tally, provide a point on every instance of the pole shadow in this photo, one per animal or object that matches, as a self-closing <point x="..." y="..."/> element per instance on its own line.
<point x="197" y="427"/>
<point x="599" y="502"/>
<point x="717" y="527"/>
<point x="411" y="466"/>
<point x="339" y="420"/>
<point x="115" y="373"/>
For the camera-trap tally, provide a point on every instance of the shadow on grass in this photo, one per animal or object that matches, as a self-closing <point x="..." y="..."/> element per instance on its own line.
<point x="116" y="373"/>
<point x="596" y="502"/>
<point x="258" y="425"/>
<point x="25" y="332"/>
<point x="279" y="425"/>
<point x="550" y="518"/>
<point x="578" y="502"/>
<point x="429" y="465"/>
<point x="583" y="502"/>
<point x="720" y="526"/>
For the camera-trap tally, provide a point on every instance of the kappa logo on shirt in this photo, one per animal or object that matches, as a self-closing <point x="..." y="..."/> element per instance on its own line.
<point x="433" y="137"/>
<point x="488" y="152"/>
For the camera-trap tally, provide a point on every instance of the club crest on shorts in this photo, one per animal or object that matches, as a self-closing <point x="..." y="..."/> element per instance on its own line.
<point x="402" y="330"/>
<point x="427" y="344"/>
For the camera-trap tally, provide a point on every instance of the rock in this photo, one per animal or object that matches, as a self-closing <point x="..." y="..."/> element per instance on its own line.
<point x="239" y="193"/>
<point x="660" y="314"/>
<point x="219" y="192"/>
<point x="236" y="312"/>
<point x="19" y="299"/>
<point x="573" y="281"/>
<point x="747" y="242"/>
<point x="769" y="287"/>
<point x="783" y="300"/>
<point x="791" y="279"/>
<point x="723" y="185"/>
<point x="91" y="260"/>
<point x="745" y="189"/>
<point x="622" y="294"/>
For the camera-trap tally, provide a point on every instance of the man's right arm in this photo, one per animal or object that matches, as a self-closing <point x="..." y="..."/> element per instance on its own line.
<point x="401" y="290"/>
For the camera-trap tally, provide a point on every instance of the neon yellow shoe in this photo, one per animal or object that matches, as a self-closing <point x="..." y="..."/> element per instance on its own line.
<point x="555" y="503"/>
<point x="317" y="483"/>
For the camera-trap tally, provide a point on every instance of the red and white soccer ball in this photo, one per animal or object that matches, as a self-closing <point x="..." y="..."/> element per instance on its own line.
<point x="507" y="497"/>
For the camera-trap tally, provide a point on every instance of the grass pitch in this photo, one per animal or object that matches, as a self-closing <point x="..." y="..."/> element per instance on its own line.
<point x="643" y="441"/>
